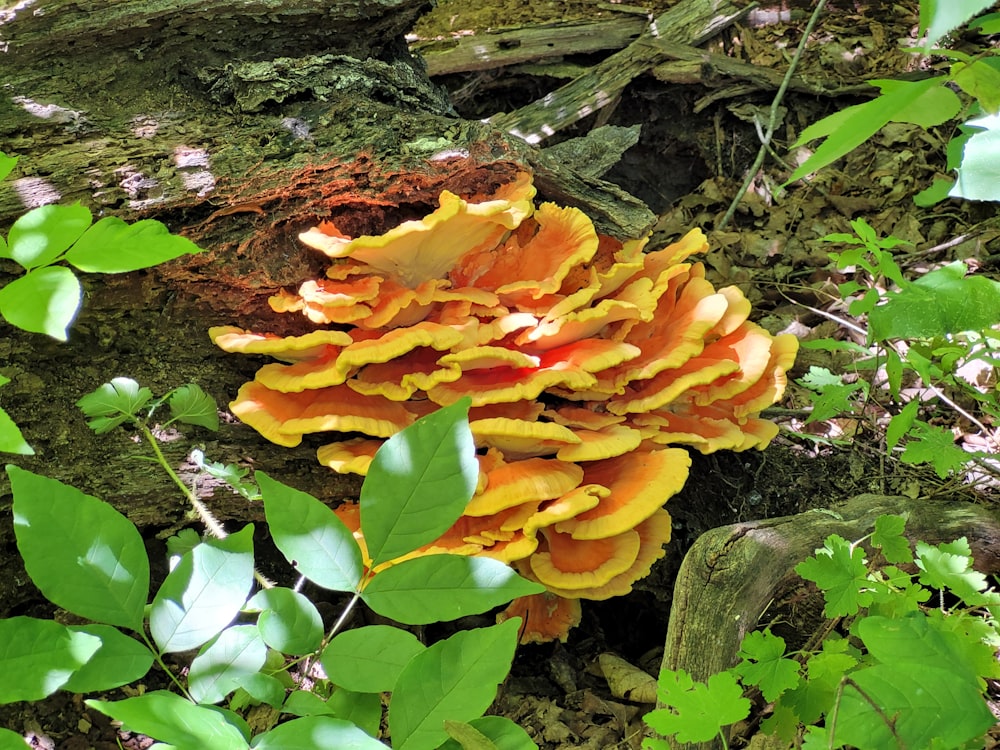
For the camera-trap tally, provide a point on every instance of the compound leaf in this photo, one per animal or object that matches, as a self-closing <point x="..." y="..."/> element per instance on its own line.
<point x="696" y="712"/>
<point x="113" y="403"/>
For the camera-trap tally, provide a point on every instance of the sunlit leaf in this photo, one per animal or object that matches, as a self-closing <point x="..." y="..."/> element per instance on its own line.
<point x="310" y="536"/>
<point x="7" y="164"/>
<point x="369" y="659"/>
<point x="37" y="657"/>
<point x="43" y="234"/>
<point x="113" y="403"/>
<point x="311" y="732"/>
<point x="938" y="17"/>
<point x="288" y="621"/>
<point x="45" y="300"/>
<point x="82" y="554"/>
<point x="120" y="660"/>
<point x="11" y="439"/>
<point x="419" y="483"/>
<point x="979" y="172"/>
<point x="217" y="670"/>
<point x="696" y="711"/>
<point x="439" y="588"/>
<point x="113" y="246"/>
<point x="454" y="679"/>
<point x="925" y="103"/>
<point x="203" y="593"/>
<point x="191" y="405"/>
<point x="177" y="721"/>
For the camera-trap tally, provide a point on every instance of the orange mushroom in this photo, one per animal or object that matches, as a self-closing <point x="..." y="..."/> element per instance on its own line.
<point x="586" y="358"/>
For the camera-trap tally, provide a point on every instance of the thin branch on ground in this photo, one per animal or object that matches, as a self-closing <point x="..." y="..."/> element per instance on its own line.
<point x="773" y="118"/>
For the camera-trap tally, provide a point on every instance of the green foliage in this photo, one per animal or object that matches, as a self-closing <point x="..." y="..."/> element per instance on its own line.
<point x="975" y="150"/>
<point x="909" y="677"/>
<point x="47" y="298"/>
<point x="921" y="333"/>
<point x="90" y="560"/>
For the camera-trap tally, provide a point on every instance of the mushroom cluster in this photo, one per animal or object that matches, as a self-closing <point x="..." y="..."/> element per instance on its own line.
<point x="585" y="357"/>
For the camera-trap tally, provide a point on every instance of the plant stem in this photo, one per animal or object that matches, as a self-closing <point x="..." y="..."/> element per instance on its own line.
<point x="773" y="117"/>
<point x="163" y="665"/>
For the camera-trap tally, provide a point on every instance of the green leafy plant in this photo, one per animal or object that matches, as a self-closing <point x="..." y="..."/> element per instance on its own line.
<point x="894" y="671"/>
<point x="925" y="334"/>
<point x="929" y="103"/>
<point x="263" y="648"/>
<point x="47" y="297"/>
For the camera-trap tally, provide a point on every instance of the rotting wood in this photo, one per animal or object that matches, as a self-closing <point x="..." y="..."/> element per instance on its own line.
<point x="689" y="22"/>
<point x="735" y="576"/>
<point x="497" y="49"/>
<point x="689" y="65"/>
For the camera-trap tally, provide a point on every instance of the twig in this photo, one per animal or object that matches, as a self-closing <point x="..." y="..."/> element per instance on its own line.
<point x="772" y="120"/>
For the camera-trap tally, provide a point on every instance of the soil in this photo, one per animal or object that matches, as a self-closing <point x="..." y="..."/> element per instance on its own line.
<point x="695" y="146"/>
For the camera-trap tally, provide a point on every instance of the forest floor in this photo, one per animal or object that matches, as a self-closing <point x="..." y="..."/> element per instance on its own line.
<point x="697" y="141"/>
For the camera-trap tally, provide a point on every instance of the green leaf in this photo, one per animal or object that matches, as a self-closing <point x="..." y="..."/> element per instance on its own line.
<point x="939" y="189"/>
<point x="45" y="300"/>
<point x="835" y="400"/>
<point x="438" y="588"/>
<point x="820" y="379"/>
<point x="814" y="697"/>
<point x="362" y="709"/>
<point x="263" y="688"/>
<point x="419" y="483"/>
<point x="176" y="721"/>
<point x="113" y="403"/>
<point x="310" y="536"/>
<point x="119" y="661"/>
<point x="43" y="234"/>
<point x="231" y="474"/>
<point x="764" y="664"/>
<point x="987" y="24"/>
<point x="37" y="657"/>
<point x="888" y="536"/>
<point x="455" y="679"/>
<point x="221" y="665"/>
<point x="82" y="554"/>
<point x="695" y="711"/>
<point x="369" y="659"/>
<point x="501" y="732"/>
<point x="464" y="736"/>
<point x="900" y="423"/>
<point x="926" y="103"/>
<point x="288" y="621"/>
<point x="112" y="246"/>
<point x="929" y="706"/>
<point x="942" y="302"/>
<point x="305" y="703"/>
<point x="7" y="164"/>
<point x="839" y="570"/>
<point x="11" y="439"/>
<point x="189" y="404"/>
<point x="916" y="640"/>
<point x="980" y="80"/>
<point x="979" y="170"/>
<point x="311" y="732"/>
<point x="950" y="567"/>
<point x="936" y="446"/>
<point x="938" y="17"/>
<point x="203" y="593"/>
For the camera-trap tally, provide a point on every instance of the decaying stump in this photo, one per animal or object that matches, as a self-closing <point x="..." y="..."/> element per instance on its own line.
<point x="735" y="578"/>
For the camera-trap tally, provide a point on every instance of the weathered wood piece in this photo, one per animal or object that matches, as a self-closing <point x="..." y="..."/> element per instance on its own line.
<point x="496" y="49"/>
<point x="689" y="22"/>
<point x="689" y="65"/>
<point x="733" y="575"/>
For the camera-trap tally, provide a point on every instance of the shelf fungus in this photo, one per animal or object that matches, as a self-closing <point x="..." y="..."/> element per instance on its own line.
<point x="592" y="365"/>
